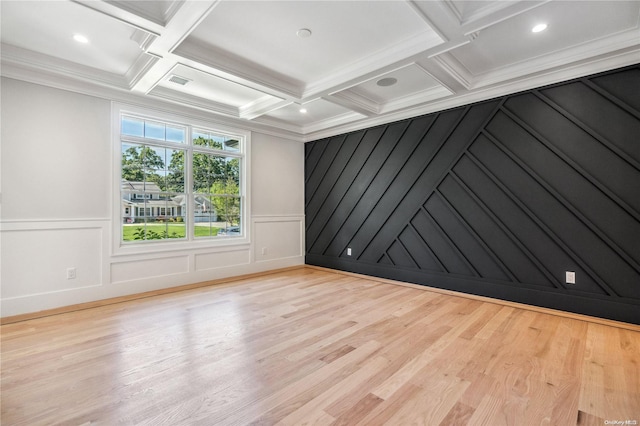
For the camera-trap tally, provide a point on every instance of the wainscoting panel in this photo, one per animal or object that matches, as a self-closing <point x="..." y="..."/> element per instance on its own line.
<point x="41" y="252"/>
<point x="221" y="259"/>
<point x="122" y="272"/>
<point x="278" y="237"/>
<point x="498" y="198"/>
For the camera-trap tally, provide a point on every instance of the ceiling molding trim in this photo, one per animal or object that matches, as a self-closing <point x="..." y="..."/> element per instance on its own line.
<point x="123" y="16"/>
<point x="445" y="47"/>
<point x="275" y="123"/>
<point x="352" y="100"/>
<point x="242" y="70"/>
<point x="192" y="13"/>
<point x="577" y="70"/>
<point x="130" y="7"/>
<point x="338" y="120"/>
<point x="266" y="102"/>
<point x="423" y="15"/>
<point x="262" y="106"/>
<point x="346" y="103"/>
<point x="449" y="46"/>
<point x="194" y="101"/>
<point x="455" y="69"/>
<point x="587" y="51"/>
<point x="490" y="9"/>
<point x="143" y="38"/>
<point x="402" y="53"/>
<point x="416" y="99"/>
<point x="64" y="82"/>
<point x="453" y="11"/>
<point x="140" y="68"/>
<point x="48" y="64"/>
<point x="481" y="20"/>
<point x="427" y="69"/>
<point x="173" y="8"/>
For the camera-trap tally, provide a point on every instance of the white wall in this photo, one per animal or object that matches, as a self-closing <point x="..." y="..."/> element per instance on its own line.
<point x="55" y="208"/>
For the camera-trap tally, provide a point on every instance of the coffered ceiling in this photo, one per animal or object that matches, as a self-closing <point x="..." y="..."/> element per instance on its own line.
<point x="310" y="69"/>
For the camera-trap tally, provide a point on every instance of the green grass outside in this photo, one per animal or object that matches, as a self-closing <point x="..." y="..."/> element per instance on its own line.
<point x="179" y="230"/>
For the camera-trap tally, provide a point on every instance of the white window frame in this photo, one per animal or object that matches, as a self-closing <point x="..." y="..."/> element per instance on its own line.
<point x="190" y="242"/>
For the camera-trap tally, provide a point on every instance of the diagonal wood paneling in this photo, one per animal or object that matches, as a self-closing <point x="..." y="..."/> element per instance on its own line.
<point x="498" y="198"/>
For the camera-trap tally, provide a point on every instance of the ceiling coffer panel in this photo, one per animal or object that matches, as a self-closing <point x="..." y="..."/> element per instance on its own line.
<point x="336" y="35"/>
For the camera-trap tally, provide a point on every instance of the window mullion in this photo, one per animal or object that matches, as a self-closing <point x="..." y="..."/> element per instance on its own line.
<point x="188" y="187"/>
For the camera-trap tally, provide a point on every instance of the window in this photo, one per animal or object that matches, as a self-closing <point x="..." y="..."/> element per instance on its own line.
<point x="179" y="181"/>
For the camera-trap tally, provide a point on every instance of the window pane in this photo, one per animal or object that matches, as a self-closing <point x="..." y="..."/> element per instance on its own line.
<point x="154" y="130"/>
<point x="205" y="225"/>
<point x="233" y="210"/>
<point x="206" y="221"/>
<point x="227" y="210"/>
<point x="156" y="181"/>
<point x="203" y="216"/>
<point x="175" y="175"/>
<point x="151" y="184"/>
<point x="131" y="163"/>
<point x="202" y="138"/>
<point x="201" y="173"/>
<point x="175" y="134"/>
<point x="153" y="216"/>
<point x="232" y="225"/>
<point x="233" y="176"/>
<point x="153" y="158"/>
<point x="216" y="142"/>
<point x="132" y="126"/>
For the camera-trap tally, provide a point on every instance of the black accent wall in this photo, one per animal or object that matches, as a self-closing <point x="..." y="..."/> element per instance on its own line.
<point x="496" y="199"/>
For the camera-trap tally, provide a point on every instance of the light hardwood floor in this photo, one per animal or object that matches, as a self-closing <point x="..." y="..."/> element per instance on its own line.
<point x="314" y="347"/>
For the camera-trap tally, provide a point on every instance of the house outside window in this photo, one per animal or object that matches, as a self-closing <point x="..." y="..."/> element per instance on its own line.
<point x="180" y="182"/>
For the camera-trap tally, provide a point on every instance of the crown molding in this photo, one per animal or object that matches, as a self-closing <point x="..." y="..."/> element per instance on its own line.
<point x="48" y="64"/>
<point x="416" y="98"/>
<point x="123" y="95"/>
<point x="623" y="58"/>
<point x="352" y="100"/>
<point x="607" y="47"/>
<point x="338" y="120"/>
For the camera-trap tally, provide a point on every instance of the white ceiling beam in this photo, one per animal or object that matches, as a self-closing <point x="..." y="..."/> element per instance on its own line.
<point x="181" y="24"/>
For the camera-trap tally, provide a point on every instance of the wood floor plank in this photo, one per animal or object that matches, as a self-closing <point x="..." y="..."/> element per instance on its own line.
<point x="309" y="346"/>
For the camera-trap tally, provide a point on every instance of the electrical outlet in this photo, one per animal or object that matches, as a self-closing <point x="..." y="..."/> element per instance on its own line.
<point x="349" y="251"/>
<point x="264" y="251"/>
<point x="570" y="277"/>
<point x="71" y="273"/>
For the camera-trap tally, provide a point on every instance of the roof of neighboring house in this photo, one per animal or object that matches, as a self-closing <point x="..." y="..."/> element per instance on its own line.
<point x="152" y="203"/>
<point x="140" y="186"/>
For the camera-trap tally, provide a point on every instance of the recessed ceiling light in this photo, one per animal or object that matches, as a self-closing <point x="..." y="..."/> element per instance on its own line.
<point x="303" y="33"/>
<point x="80" y="38"/>
<point x="538" y="28"/>
<point x="388" y="81"/>
<point x="303" y="110"/>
